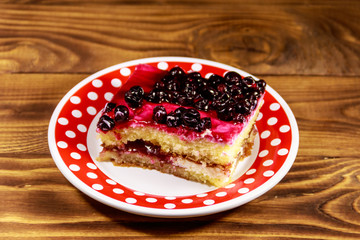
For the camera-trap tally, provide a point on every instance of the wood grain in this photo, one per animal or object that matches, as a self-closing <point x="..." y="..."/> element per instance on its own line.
<point x="308" y="51"/>
<point x="320" y="196"/>
<point x="309" y="39"/>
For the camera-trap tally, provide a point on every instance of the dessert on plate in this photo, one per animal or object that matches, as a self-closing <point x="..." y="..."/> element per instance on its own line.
<point x="181" y="123"/>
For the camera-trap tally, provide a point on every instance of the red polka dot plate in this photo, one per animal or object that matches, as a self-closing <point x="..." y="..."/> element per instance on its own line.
<point x="74" y="147"/>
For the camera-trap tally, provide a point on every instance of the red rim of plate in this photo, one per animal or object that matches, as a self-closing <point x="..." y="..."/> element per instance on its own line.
<point x="69" y="124"/>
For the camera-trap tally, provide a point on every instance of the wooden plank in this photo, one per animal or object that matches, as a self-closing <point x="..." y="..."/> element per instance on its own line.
<point x="319" y="196"/>
<point x="320" y="38"/>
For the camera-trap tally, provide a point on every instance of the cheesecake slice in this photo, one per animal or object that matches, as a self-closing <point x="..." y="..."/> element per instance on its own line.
<point x="181" y="123"/>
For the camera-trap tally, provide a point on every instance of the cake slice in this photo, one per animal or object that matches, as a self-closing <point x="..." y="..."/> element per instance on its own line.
<point x="181" y="123"/>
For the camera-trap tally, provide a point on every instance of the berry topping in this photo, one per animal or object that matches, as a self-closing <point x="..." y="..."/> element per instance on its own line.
<point x="159" y="114"/>
<point x="121" y="113"/>
<point x="230" y="98"/>
<point x="106" y="123"/>
<point x="134" y="97"/>
<point x="191" y="118"/>
<point x="109" y="106"/>
<point x="172" y="120"/>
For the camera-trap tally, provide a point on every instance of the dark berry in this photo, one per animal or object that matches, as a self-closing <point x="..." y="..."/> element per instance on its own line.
<point x="191" y="118"/>
<point x="222" y="101"/>
<point x="176" y="71"/>
<point x="134" y="96"/>
<point x="200" y="82"/>
<point x="106" y="123"/>
<point x="172" y="85"/>
<point x="243" y="107"/>
<point x="234" y="91"/>
<point x="239" y="118"/>
<point x="185" y="100"/>
<point x="172" y="120"/>
<point x="173" y="96"/>
<point x="215" y="80"/>
<point x="193" y="75"/>
<point x="189" y="89"/>
<point x="157" y="96"/>
<point x="137" y="90"/>
<point x="159" y="114"/>
<point x="109" y="106"/>
<point x="133" y="100"/>
<point x="222" y="88"/>
<point x="226" y="113"/>
<point x="208" y="93"/>
<point x="205" y="123"/>
<point x="261" y="84"/>
<point x="203" y="105"/>
<point x="121" y="113"/>
<point x="159" y="85"/>
<point x="232" y="78"/>
<point x="249" y="81"/>
<point x="180" y="111"/>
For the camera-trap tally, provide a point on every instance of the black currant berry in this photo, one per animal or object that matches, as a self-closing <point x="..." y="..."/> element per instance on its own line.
<point x="172" y="120"/>
<point x="121" y="113"/>
<point x="109" y="106"/>
<point x="205" y="123"/>
<point x="203" y="105"/>
<point x="159" y="114"/>
<point x="106" y="123"/>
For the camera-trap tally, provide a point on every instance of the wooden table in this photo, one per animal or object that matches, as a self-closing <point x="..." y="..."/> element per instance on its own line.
<point x="308" y="51"/>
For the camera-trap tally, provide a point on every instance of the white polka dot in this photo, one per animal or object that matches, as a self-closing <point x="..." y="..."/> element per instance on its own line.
<point x="108" y="96"/>
<point x="163" y="65"/>
<point x="97" y="186"/>
<point x="118" y="191"/>
<point x="243" y="190"/>
<point x="62" y="144"/>
<point x="249" y="180"/>
<point x="251" y="171"/>
<point x="230" y="185"/>
<point x="259" y="117"/>
<point x="272" y="121"/>
<point x="92" y="96"/>
<point x="91" y="175"/>
<point x="63" y="121"/>
<point x="81" y="147"/>
<point x="75" y="100"/>
<point x="265" y="134"/>
<point x="284" y="128"/>
<point x="275" y="142"/>
<point x="268" y="163"/>
<point x="169" y="205"/>
<point x="283" y="151"/>
<point x="202" y="195"/>
<point x="221" y="194"/>
<point x="125" y="71"/>
<point x="91" y="166"/>
<point x="75" y="155"/>
<point x="111" y="182"/>
<point x="130" y="200"/>
<point x="274" y="106"/>
<point x="115" y="82"/>
<point x="91" y="110"/>
<point x="209" y="202"/>
<point x="170" y="198"/>
<point x="208" y="75"/>
<point x="139" y="193"/>
<point x="81" y="128"/>
<point x="263" y="153"/>
<point x="268" y="173"/>
<point x="74" y="167"/>
<point x="76" y="113"/>
<point x="70" y="134"/>
<point x="151" y="200"/>
<point x="187" y="201"/>
<point x="196" y="67"/>
<point x="97" y="83"/>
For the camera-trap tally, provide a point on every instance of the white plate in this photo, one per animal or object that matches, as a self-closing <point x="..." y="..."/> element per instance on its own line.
<point x="74" y="147"/>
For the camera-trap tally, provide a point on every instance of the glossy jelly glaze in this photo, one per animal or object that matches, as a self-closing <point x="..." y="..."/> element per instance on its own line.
<point x="146" y="76"/>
